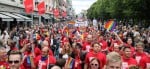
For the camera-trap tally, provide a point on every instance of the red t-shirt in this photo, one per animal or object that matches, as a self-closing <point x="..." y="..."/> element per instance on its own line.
<point x="43" y="64"/>
<point x="77" y="63"/>
<point x="27" y="65"/>
<point x="138" y="56"/>
<point x="37" y="51"/>
<point x="22" y="41"/>
<point x="117" y="42"/>
<point x="100" y="56"/>
<point x="4" y="65"/>
<point x="145" y="63"/>
<point x="128" y="62"/>
<point x="50" y="52"/>
<point x="104" y="45"/>
<point x="87" y="46"/>
<point x="27" y="60"/>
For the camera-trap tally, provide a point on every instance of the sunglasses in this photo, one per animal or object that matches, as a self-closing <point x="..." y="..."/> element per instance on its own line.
<point x="94" y="64"/>
<point x="16" y="61"/>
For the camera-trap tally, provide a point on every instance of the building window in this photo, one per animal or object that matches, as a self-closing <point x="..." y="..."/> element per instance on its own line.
<point x="21" y="1"/>
<point x="13" y="0"/>
<point x="36" y="3"/>
<point x="46" y="6"/>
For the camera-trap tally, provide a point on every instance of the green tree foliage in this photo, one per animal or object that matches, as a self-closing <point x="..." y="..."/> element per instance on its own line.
<point x="120" y="10"/>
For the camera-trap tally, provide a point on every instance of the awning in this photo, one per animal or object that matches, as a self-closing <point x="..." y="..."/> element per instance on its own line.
<point x="5" y="18"/>
<point x="13" y="16"/>
<point x="22" y="16"/>
<point x="46" y="16"/>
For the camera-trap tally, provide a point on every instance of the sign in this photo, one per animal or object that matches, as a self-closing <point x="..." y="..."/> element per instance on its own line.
<point x="71" y="24"/>
<point x="81" y="24"/>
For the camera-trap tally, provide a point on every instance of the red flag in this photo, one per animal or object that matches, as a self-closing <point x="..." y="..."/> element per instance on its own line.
<point x="28" y="6"/>
<point x="64" y="13"/>
<point x="41" y="8"/>
<point x="56" y="12"/>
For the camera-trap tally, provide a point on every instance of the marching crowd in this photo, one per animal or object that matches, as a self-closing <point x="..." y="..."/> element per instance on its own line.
<point x="59" y="46"/>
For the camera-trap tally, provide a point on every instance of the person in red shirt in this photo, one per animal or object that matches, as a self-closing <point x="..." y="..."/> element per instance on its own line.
<point x="145" y="62"/>
<point x="14" y="60"/>
<point x="78" y="52"/>
<point x="46" y="44"/>
<point x="3" y="58"/>
<point x="139" y="52"/>
<point x="116" y="43"/>
<point x="28" y="59"/>
<point x="95" y="54"/>
<point x="129" y="44"/>
<point x="37" y="50"/>
<point x="114" y="61"/>
<point x="12" y="46"/>
<point x="127" y="59"/>
<point x="22" y="40"/>
<point x="104" y="44"/>
<point x="44" y="60"/>
<point x="87" y="43"/>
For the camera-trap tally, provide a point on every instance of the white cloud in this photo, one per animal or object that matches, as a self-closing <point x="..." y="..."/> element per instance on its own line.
<point x="79" y="5"/>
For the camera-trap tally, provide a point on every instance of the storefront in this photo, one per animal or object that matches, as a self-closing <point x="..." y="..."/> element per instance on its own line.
<point x="10" y="20"/>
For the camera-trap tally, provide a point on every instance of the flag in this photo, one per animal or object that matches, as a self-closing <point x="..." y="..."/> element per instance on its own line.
<point x="110" y="25"/>
<point x="56" y="12"/>
<point x="70" y="63"/>
<point x="64" y="14"/>
<point x="41" y="8"/>
<point x="28" y="6"/>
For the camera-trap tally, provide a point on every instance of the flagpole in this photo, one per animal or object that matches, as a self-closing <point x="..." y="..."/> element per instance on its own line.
<point x="32" y="18"/>
<point x="39" y="19"/>
<point x="53" y="12"/>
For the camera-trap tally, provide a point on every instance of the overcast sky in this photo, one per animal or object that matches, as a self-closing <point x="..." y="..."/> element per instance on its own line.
<point x="79" y="5"/>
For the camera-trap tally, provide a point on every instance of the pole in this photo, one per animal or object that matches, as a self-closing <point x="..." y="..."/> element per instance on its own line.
<point x="39" y="19"/>
<point x="32" y="16"/>
<point x="8" y="25"/>
<point x="53" y="12"/>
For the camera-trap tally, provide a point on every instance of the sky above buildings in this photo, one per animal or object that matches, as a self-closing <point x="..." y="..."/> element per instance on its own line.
<point x="80" y="5"/>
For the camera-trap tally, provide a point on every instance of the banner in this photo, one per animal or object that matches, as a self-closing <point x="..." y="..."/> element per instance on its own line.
<point x="28" y="6"/>
<point x="110" y="25"/>
<point x="56" y="12"/>
<point x="41" y="8"/>
<point x="64" y="14"/>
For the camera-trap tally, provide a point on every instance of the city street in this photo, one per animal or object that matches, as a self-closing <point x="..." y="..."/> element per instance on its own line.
<point x="74" y="34"/>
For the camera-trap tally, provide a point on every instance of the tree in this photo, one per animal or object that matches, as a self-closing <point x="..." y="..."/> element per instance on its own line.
<point x="137" y="10"/>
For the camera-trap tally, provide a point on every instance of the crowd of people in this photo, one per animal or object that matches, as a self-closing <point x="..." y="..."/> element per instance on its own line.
<point x="59" y="46"/>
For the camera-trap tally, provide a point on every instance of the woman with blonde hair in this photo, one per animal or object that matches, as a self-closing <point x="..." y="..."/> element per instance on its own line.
<point x="66" y="50"/>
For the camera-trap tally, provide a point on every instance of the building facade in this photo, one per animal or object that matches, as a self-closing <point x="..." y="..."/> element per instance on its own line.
<point x="9" y="9"/>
